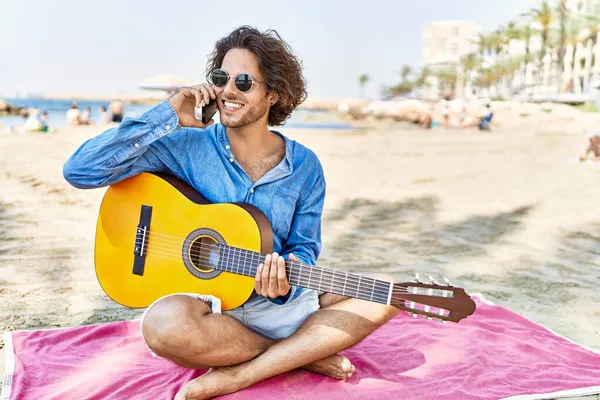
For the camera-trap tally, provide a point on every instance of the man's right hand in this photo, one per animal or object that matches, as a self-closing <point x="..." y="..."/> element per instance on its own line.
<point x="184" y="101"/>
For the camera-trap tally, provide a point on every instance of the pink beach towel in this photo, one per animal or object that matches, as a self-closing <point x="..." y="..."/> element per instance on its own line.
<point x="493" y="354"/>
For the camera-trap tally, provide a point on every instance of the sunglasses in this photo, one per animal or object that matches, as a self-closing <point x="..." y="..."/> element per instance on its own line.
<point x="243" y="82"/>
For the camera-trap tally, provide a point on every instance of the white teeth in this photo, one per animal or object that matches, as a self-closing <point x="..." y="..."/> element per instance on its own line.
<point x="232" y="105"/>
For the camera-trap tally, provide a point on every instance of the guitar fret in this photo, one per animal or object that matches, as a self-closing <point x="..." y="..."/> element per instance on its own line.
<point x="332" y="280"/>
<point x="233" y="266"/>
<point x="222" y="257"/>
<point x="358" y="287"/>
<point x="228" y="260"/>
<point x="320" y="280"/>
<point x="344" y="289"/>
<point x="291" y="274"/>
<point x="254" y="261"/>
<point x="244" y="263"/>
<point x="372" y="290"/>
<point x="309" y="276"/>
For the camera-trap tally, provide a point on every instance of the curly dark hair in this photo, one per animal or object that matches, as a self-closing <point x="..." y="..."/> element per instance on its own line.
<point x="282" y="69"/>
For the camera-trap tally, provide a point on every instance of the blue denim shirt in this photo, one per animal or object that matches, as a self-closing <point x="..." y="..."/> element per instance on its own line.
<point x="291" y="195"/>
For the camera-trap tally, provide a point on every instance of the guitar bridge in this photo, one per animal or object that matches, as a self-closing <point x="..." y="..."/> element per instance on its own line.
<point x="141" y="240"/>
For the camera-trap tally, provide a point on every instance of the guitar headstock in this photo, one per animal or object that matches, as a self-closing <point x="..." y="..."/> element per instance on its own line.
<point x="433" y="300"/>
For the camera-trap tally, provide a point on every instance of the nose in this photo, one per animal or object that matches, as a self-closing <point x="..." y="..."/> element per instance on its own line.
<point x="230" y="88"/>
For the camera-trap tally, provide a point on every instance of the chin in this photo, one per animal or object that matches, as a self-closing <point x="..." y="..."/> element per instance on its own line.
<point x="231" y="123"/>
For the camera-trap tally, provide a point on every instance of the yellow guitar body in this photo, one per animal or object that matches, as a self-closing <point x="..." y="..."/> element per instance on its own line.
<point x="177" y="214"/>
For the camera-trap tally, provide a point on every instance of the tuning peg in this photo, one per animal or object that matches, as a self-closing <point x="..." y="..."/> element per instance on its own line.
<point x="443" y="321"/>
<point x="415" y="315"/>
<point x="417" y="278"/>
<point x="429" y="318"/>
<point x="448" y="283"/>
<point x="432" y="280"/>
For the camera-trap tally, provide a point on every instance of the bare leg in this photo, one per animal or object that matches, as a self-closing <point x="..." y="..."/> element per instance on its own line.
<point x="326" y="332"/>
<point x="184" y="330"/>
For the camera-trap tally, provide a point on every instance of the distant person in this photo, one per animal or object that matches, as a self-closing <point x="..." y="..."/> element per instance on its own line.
<point x="104" y="116"/>
<point x="117" y="110"/>
<point x="35" y="122"/>
<point x="484" y="123"/>
<point x="74" y="115"/>
<point x="24" y="112"/>
<point x="86" y="116"/>
<point x="593" y="148"/>
<point x="443" y="109"/>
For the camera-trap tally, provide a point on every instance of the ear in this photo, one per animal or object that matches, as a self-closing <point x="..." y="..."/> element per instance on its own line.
<point x="274" y="99"/>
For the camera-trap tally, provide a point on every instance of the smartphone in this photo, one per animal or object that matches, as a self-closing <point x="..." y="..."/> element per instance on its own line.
<point x="204" y="113"/>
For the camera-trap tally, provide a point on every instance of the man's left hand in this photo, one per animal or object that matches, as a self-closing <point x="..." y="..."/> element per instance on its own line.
<point x="271" y="280"/>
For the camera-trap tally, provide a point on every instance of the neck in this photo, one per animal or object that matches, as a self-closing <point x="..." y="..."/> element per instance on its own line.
<point x="251" y="138"/>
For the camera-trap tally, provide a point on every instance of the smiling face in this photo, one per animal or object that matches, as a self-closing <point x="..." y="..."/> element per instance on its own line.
<point x="238" y="109"/>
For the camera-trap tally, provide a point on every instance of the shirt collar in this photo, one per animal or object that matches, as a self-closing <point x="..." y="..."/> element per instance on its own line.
<point x="284" y="168"/>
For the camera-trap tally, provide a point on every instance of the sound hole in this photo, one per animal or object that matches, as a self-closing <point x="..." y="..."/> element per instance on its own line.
<point x="204" y="253"/>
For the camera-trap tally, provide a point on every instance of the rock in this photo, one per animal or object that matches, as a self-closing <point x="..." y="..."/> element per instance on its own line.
<point x="8" y="109"/>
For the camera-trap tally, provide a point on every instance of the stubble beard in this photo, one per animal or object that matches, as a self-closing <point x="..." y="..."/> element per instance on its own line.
<point x="250" y="115"/>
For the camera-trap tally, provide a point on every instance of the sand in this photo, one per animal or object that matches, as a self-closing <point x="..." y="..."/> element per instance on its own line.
<point x="509" y="214"/>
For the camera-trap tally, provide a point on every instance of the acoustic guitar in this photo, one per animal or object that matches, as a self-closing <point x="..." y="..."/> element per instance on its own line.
<point x="156" y="236"/>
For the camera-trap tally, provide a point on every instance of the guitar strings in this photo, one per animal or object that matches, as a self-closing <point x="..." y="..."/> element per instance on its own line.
<point x="394" y="297"/>
<point x="177" y="251"/>
<point x="353" y="279"/>
<point x="432" y="312"/>
<point x="325" y="280"/>
<point x="252" y="255"/>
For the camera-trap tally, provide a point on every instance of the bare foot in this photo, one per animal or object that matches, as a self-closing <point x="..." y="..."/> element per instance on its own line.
<point x="336" y="366"/>
<point x="216" y="382"/>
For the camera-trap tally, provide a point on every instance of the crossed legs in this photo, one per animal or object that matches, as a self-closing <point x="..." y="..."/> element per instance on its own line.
<point x="184" y="330"/>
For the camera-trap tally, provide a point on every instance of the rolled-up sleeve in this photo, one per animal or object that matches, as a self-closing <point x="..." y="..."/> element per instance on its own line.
<point x="122" y="152"/>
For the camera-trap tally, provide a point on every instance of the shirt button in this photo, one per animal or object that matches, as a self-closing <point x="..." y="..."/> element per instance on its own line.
<point x="251" y="190"/>
<point x="228" y="147"/>
<point x="137" y="145"/>
<point x="231" y="159"/>
<point x="167" y="127"/>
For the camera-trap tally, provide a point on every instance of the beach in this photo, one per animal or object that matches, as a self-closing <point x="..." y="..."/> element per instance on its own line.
<point x="509" y="214"/>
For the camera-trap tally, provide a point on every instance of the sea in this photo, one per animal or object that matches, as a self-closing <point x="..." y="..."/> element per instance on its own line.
<point x="57" y="113"/>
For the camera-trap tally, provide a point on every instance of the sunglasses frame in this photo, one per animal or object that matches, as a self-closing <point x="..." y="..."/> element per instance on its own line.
<point x="254" y="81"/>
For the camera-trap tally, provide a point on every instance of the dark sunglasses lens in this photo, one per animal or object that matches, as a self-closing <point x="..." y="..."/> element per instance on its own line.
<point x="219" y="78"/>
<point x="243" y="82"/>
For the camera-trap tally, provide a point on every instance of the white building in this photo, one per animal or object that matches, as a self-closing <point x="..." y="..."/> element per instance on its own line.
<point x="446" y="42"/>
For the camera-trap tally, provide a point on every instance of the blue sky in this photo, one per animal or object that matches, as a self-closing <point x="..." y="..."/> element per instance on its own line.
<point x="75" y="46"/>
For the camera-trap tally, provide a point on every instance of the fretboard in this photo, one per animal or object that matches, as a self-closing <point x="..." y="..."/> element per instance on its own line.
<point x="245" y="262"/>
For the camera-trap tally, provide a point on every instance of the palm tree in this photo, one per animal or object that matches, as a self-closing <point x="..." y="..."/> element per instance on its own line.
<point x="543" y="16"/>
<point x="422" y="78"/>
<point x="483" y="44"/>
<point x="512" y="31"/>
<point x="562" y="12"/>
<point x="497" y="40"/>
<point x="447" y="79"/>
<point x="362" y="81"/>
<point x="405" y="72"/>
<point x="591" y="23"/>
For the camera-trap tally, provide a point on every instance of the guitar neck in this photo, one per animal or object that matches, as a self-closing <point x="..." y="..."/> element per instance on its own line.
<point x="245" y="262"/>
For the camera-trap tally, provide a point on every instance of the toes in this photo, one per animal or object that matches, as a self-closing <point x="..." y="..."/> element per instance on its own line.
<point x="351" y="371"/>
<point x="345" y="365"/>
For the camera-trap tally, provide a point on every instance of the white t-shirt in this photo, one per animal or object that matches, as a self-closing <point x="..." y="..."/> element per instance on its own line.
<point x="73" y="116"/>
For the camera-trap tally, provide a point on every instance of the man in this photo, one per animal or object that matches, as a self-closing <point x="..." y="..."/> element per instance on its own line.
<point x="117" y="110"/>
<point x="592" y="152"/>
<point x="257" y="82"/>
